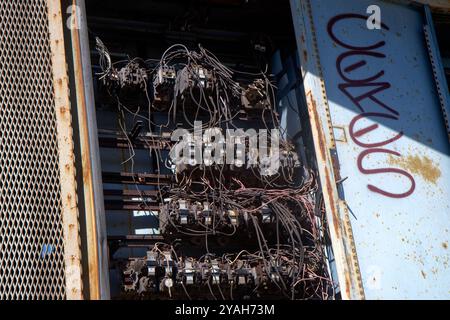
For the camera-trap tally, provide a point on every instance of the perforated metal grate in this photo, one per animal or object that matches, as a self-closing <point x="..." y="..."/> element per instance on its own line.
<point x="31" y="231"/>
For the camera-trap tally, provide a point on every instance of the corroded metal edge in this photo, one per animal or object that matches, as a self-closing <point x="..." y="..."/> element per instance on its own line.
<point x="347" y="265"/>
<point x="69" y="207"/>
<point x="92" y="185"/>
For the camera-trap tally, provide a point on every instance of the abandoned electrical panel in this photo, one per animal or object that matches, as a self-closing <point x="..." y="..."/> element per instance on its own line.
<point x="231" y="208"/>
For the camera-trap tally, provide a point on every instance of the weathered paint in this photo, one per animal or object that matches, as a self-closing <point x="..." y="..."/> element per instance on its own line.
<point x="92" y="185"/>
<point x="375" y="89"/>
<point x="69" y="208"/>
<point x="346" y="260"/>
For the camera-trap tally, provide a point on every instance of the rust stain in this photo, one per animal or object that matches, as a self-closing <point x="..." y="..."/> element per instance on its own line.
<point x="329" y="188"/>
<point x="313" y="110"/>
<point x="348" y="283"/>
<point x="85" y="153"/>
<point x="321" y="141"/>
<point x="423" y="166"/>
<point x="445" y="245"/>
<point x="92" y="253"/>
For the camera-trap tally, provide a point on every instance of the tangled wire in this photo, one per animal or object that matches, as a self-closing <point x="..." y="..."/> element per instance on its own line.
<point x="187" y="86"/>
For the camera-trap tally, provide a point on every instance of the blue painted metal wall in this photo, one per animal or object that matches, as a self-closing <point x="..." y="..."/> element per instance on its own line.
<point x="382" y="120"/>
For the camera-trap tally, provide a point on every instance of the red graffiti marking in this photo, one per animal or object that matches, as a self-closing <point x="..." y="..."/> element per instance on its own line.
<point x="346" y="16"/>
<point x="358" y="65"/>
<point x="380" y="86"/>
<point x="356" y="135"/>
<point x="374" y="86"/>
<point x="385" y="170"/>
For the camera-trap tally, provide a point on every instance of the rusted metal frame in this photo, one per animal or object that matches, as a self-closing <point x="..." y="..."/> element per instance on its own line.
<point x="69" y="207"/>
<point x="438" y="6"/>
<point x="92" y="184"/>
<point x="347" y="266"/>
<point x="437" y="67"/>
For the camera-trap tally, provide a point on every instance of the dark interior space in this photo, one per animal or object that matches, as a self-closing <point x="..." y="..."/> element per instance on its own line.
<point x="250" y="38"/>
<point x="242" y="33"/>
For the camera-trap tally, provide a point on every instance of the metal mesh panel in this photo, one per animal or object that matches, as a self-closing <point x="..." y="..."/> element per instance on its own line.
<point x="31" y="231"/>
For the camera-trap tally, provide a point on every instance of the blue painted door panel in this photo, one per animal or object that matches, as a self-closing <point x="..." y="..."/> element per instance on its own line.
<point x="391" y="143"/>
